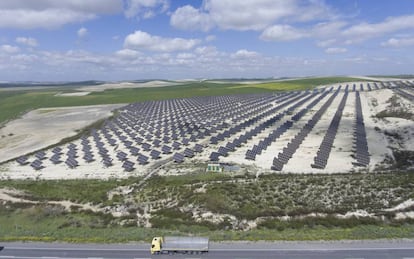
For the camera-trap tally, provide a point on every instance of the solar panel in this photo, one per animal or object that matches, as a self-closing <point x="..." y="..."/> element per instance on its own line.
<point x="155" y="154"/>
<point x="40" y="155"/>
<point x="185" y="141"/>
<point x="176" y="145"/>
<point x="166" y="149"/>
<point x="178" y="157"/>
<point x="72" y="146"/>
<point x="107" y="162"/>
<point x="156" y="143"/>
<point x="71" y="163"/>
<point x="88" y="158"/>
<point x="128" y="165"/>
<point x="223" y="151"/>
<point x="127" y="143"/>
<point x="55" y="159"/>
<point x="142" y="159"/>
<point x="37" y="165"/>
<point x="134" y="150"/>
<point x="214" y="156"/>
<point x="198" y="148"/>
<point x="146" y="146"/>
<point x="188" y="152"/>
<point x="22" y="160"/>
<point x="57" y="150"/>
<point x="121" y="156"/>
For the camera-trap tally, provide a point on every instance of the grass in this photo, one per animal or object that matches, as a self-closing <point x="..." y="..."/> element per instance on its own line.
<point x="278" y="195"/>
<point x="81" y="191"/>
<point x="87" y="227"/>
<point x="300" y="84"/>
<point x="242" y="197"/>
<point x="15" y="103"/>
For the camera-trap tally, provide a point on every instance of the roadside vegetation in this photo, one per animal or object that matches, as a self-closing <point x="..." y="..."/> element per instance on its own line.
<point x="229" y="206"/>
<point x="16" y="103"/>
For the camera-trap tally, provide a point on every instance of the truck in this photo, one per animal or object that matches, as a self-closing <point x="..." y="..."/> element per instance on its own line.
<point x="175" y="244"/>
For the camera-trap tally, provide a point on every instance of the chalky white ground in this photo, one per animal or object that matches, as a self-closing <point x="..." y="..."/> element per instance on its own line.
<point x="31" y="134"/>
<point x="43" y="127"/>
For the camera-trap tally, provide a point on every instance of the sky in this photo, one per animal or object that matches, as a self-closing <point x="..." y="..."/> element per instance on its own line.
<point x="76" y="40"/>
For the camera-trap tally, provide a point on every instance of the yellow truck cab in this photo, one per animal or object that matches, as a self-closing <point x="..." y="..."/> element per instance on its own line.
<point x="156" y="245"/>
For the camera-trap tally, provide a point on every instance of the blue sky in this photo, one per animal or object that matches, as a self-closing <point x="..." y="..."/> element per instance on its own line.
<point x="50" y="40"/>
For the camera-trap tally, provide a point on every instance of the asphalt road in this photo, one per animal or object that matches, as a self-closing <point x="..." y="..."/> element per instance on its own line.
<point x="401" y="249"/>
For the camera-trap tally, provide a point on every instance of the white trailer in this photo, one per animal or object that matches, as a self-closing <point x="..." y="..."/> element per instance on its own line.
<point x="174" y="244"/>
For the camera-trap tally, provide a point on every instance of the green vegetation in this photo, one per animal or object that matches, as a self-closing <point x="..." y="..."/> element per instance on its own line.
<point x="175" y="203"/>
<point x="15" y="103"/>
<point x="394" y="76"/>
<point x="81" y="191"/>
<point x="301" y="84"/>
<point x="51" y="224"/>
<point x="282" y="195"/>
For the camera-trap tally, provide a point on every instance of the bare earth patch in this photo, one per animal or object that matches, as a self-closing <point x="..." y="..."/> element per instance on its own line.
<point x="73" y="94"/>
<point x="43" y="127"/>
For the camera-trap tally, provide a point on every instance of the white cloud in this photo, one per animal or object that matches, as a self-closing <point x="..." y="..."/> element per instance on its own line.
<point x="329" y="29"/>
<point x="189" y="18"/>
<point x="200" y="62"/>
<point x="282" y="33"/>
<point x="365" y="31"/>
<point x="335" y="50"/>
<point x="243" y="53"/>
<point x="148" y="14"/>
<point x="128" y="53"/>
<point x="185" y="55"/>
<point x="398" y="43"/>
<point x="325" y="31"/>
<point x="145" y="8"/>
<point x="31" y="42"/>
<point x="326" y="43"/>
<point x="207" y="51"/>
<point x="9" y="49"/>
<point x="210" y="38"/>
<point x="53" y="14"/>
<point x="140" y="40"/>
<point x="247" y="14"/>
<point x="82" y="32"/>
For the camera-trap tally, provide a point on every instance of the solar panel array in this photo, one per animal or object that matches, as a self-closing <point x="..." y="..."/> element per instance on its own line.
<point x="360" y="138"/>
<point x="287" y="152"/>
<point x="216" y="127"/>
<point x="405" y="94"/>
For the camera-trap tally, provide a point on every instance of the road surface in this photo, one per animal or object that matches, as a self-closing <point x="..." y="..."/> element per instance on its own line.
<point x="400" y="249"/>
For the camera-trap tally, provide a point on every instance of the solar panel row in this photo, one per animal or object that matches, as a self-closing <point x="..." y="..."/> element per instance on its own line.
<point x="287" y="152"/>
<point x="360" y="139"/>
<point x="321" y="158"/>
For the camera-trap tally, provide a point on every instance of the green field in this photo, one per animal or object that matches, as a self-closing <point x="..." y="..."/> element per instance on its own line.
<point x="16" y="103"/>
